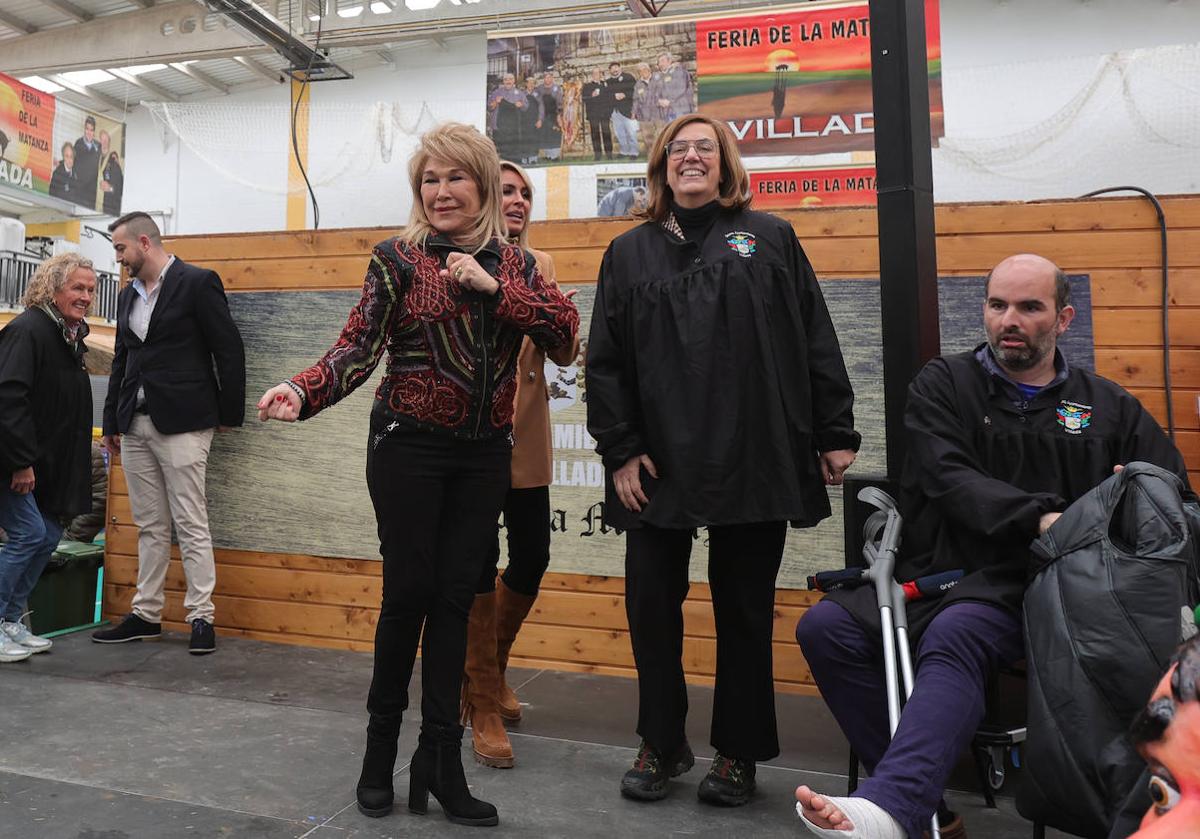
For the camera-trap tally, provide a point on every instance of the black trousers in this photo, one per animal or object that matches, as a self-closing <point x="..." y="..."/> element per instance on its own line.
<point x="742" y="567"/>
<point x="527" y="523"/>
<point x="601" y="134"/>
<point x="436" y="501"/>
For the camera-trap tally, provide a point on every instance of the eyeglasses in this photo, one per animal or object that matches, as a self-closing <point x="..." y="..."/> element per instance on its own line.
<point x="678" y="149"/>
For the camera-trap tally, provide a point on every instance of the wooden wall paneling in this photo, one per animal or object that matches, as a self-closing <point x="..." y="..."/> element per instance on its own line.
<point x="1185" y="401"/>
<point x="579" y="621"/>
<point x="1129" y="327"/>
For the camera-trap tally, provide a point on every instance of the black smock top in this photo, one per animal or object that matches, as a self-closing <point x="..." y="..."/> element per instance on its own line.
<point x="982" y="469"/>
<point x="717" y="359"/>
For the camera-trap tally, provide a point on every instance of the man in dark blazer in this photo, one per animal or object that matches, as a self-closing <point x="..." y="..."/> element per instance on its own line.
<point x="178" y="373"/>
<point x="87" y="164"/>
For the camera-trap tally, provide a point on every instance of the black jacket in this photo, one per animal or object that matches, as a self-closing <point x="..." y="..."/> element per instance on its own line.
<point x="597" y="101"/>
<point x="190" y="331"/>
<point x="623" y="83"/>
<point x="64" y="184"/>
<point x="1102" y="618"/>
<point x="45" y="412"/>
<point x="719" y="361"/>
<point x="980" y="472"/>
<point x="87" y="172"/>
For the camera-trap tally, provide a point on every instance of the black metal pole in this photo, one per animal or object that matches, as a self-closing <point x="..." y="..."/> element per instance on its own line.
<point x="904" y="179"/>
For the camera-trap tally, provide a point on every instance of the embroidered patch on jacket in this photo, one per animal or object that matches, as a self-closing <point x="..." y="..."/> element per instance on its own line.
<point x="741" y="243"/>
<point x="1074" y="417"/>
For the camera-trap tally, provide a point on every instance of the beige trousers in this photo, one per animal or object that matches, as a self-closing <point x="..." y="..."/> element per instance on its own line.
<point x="165" y="474"/>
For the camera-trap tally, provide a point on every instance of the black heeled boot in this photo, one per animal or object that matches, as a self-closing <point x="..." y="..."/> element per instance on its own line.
<point x="374" y="791"/>
<point x="437" y="768"/>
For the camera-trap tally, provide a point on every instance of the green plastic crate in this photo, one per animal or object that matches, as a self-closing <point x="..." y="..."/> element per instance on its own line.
<point x="67" y="597"/>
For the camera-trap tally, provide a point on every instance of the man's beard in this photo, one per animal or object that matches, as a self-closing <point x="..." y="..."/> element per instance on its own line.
<point x="1021" y="358"/>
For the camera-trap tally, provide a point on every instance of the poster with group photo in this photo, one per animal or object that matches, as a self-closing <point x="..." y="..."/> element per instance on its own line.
<point x="788" y="81"/>
<point x="50" y="147"/>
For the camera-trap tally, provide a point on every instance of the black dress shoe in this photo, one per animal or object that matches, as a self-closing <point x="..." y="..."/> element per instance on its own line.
<point x="204" y="639"/>
<point x="729" y="782"/>
<point x="132" y="628"/>
<point x="647" y="779"/>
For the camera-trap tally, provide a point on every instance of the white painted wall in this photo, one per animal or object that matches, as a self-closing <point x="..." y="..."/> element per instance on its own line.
<point x="1043" y="98"/>
<point x="206" y="188"/>
<point x="1054" y="98"/>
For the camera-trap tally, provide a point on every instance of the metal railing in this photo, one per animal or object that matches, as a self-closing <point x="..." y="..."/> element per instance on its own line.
<point x="16" y="269"/>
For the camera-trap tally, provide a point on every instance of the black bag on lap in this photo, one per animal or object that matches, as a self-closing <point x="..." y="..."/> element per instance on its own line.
<point x="1102" y="618"/>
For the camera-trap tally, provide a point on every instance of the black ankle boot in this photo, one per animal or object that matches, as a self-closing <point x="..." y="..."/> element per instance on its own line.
<point x="374" y="791"/>
<point x="437" y="768"/>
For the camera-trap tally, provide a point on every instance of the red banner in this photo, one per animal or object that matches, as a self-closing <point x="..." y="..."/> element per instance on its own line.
<point x="833" y="187"/>
<point x="798" y="81"/>
<point x="26" y="132"/>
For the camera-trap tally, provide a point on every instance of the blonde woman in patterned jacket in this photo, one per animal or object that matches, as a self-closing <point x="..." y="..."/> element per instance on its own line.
<point x="449" y="299"/>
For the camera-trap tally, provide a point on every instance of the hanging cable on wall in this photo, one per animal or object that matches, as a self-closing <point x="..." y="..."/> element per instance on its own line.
<point x="1166" y="292"/>
<point x="296" y="111"/>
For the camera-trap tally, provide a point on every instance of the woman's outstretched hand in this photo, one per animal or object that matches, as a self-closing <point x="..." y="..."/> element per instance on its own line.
<point x="279" y="403"/>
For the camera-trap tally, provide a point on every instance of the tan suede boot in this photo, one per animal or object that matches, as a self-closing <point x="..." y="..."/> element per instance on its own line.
<point x="511" y="609"/>
<point x="481" y="683"/>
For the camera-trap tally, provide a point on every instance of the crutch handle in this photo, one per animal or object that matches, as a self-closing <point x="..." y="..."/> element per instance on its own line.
<point x="877" y="498"/>
<point x="932" y="585"/>
<point x="834" y="580"/>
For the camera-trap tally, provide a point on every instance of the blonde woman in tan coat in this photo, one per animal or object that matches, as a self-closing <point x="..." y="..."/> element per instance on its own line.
<point x="502" y="602"/>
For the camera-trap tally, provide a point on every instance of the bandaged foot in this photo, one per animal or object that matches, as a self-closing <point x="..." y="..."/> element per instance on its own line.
<point x="845" y="818"/>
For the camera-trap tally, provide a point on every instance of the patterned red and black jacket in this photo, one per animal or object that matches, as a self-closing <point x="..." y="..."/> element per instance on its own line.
<point x="452" y="353"/>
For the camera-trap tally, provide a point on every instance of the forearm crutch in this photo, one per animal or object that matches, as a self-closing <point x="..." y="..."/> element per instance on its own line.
<point x="881" y="537"/>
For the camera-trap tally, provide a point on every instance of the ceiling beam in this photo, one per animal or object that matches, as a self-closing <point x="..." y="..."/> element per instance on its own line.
<point x="173" y="31"/>
<point x="258" y="67"/>
<point x="98" y="96"/>
<point x="17" y="24"/>
<point x="70" y="10"/>
<point x="145" y="84"/>
<point x="200" y="76"/>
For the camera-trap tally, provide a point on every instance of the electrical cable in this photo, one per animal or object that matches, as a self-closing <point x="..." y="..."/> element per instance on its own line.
<point x="296" y="110"/>
<point x="1166" y="295"/>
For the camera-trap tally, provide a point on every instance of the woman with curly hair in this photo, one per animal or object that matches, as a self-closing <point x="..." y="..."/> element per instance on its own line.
<point x="45" y="434"/>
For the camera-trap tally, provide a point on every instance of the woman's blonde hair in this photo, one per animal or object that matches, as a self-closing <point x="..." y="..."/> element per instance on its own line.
<point x="51" y="276"/>
<point x="733" y="191"/>
<point x="523" y="237"/>
<point x="462" y="146"/>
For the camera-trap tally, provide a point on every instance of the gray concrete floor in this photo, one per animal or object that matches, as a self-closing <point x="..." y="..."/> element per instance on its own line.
<point x="262" y="740"/>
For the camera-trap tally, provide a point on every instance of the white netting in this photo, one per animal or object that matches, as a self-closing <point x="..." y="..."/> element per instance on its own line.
<point x="249" y="143"/>
<point x="1131" y="116"/>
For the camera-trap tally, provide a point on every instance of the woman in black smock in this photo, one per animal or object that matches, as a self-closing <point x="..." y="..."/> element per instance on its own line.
<point x="718" y="398"/>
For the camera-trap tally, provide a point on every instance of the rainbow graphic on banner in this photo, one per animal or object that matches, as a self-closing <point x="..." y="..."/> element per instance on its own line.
<point x="27" y="123"/>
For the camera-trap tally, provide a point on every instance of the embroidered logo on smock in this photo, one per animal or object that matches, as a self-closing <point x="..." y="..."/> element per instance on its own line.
<point x="1074" y="417"/>
<point x="741" y="243"/>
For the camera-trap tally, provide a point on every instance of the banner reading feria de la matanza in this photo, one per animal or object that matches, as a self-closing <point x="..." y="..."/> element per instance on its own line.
<point x="787" y="80"/>
<point x="831" y="186"/>
<point x="799" y="81"/>
<point x="50" y="147"/>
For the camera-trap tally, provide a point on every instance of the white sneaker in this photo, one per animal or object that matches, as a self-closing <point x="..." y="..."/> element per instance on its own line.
<point x="19" y="632"/>
<point x="10" y="650"/>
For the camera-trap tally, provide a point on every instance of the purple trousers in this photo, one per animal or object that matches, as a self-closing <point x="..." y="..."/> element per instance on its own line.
<point x="954" y="658"/>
